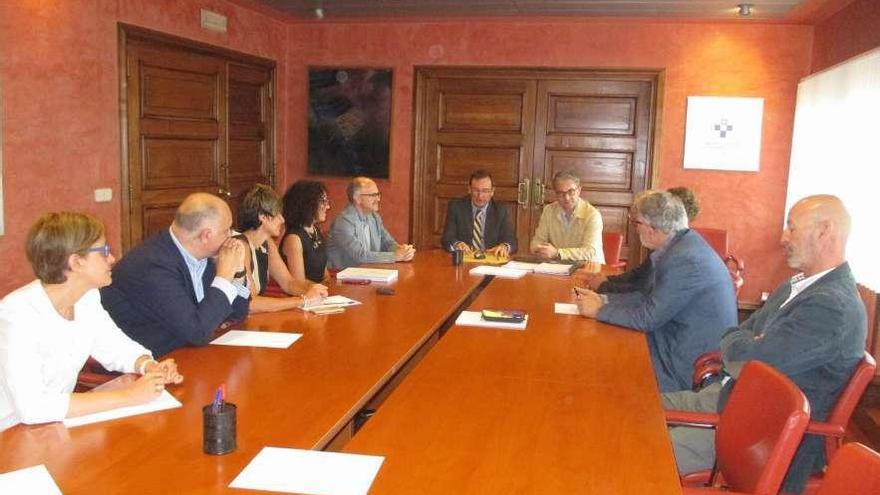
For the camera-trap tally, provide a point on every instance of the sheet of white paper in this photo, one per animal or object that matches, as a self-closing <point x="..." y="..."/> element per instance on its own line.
<point x="553" y="269"/>
<point x="246" y="338"/>
<point x="309" y="472"/>
<point x="521" y="265"/>
<point x="35" y="479"/>
<point x="497" y="271"/>
<point x="475" y="319"/>
<point x="164" y="401"/>
<point x="565" y="309"/>
<point x="336" y="301"/>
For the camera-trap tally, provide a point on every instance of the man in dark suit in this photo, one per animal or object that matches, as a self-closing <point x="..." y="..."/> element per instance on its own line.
<point x="177" y="287"/>
<point x="477" y="223"/>
<point x="684" y="302"/>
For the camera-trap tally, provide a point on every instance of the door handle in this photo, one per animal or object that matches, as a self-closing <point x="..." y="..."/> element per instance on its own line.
<point x="522" y="193"/>
<point x="538" y="194"/>
<point x="224" y="192"/>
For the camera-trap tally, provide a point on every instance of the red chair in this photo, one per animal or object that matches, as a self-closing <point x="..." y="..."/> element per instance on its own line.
<point x="855" y="470"/>
<point x="612" y="243"/>
<point x="717" y="239"/>
<point x="756" y="435"/>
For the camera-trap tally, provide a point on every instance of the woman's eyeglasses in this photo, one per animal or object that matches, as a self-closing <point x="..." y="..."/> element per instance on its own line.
<point x="105" y="250"/>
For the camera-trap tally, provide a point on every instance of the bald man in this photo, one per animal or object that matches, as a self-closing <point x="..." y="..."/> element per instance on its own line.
<point x="358" y="234"/>
<point x="812" y="328"/>
<point x="177" y="287"/>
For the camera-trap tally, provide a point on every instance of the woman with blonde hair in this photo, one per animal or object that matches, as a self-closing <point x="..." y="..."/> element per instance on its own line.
<point x="49" y="328"/>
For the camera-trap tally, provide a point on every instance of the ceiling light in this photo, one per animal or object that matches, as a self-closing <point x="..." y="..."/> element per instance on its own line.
<point x="745" y="9"/>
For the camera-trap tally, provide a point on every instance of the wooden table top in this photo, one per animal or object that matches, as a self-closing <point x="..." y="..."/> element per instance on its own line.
<point x="298" y="397"/>
<point x="569" y="405"/>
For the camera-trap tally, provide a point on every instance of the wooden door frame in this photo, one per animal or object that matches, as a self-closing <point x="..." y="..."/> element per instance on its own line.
<point x="420" y="101"/>
<point x="128" y="32"/>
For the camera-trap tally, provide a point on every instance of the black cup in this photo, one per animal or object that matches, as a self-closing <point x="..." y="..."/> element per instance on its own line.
<point x="218" y="429"/>
<point x="457" y="257"/>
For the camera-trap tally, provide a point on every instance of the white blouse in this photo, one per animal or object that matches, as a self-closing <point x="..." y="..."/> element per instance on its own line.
<point x="41" y="353"/>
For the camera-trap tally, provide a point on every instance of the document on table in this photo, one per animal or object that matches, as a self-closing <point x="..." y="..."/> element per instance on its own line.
<point x="489" y="259"/>
<point x="475" y="319"/>
<point x="521" y="265"/>
<point x="371" y="274"/>
<point x="497" y="271"/>
<point x="554" y="269"/>
<point x="246" y="338"/>
<point x="566" y="309"/>
<point x="164" y="401"/>
<point x="309" y="472"/>
<point x="329" y="303"/>
<point x="35" y="479"/>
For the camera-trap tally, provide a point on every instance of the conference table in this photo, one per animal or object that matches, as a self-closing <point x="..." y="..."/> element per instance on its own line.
<point x="569" y="405"/>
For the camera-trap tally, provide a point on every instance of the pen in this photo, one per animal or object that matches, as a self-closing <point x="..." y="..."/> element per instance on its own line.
<point x="217" y="398"/>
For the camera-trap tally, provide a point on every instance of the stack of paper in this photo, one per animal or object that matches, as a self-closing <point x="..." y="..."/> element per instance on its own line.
<point x="329" y="304"/>
<point x="310" y="472"/>
<point x="475" y="319"/>
<point x="245" y="338"/>
<point x="371" y="274"/>
<point x="498" y="271"/>
<point x="554" y="269"/>
<point x="521" y="265"/>
<point x="34" y="479"/>
<point x="565" y="309"/>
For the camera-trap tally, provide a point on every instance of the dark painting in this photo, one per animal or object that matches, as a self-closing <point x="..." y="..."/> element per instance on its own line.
<point x="349" y="121"/>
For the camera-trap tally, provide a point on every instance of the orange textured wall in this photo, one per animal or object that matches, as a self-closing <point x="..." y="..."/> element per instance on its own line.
<point x="724" y="59"/>
<point x="58" y="70"/>
<point x="851" y="31"/>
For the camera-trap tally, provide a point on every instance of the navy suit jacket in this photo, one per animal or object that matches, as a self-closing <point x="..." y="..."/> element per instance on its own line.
<point x="153" y="301"/>
<point x="460" y="225"/>
<point x="684" y="301"/>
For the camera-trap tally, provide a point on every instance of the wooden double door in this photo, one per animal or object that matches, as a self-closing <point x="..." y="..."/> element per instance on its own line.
<point x="523" y="126"/>
<point x="196" y="119"/>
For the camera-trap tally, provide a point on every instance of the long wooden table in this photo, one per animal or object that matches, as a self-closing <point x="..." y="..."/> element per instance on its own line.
<point x="568" y="406"/>
<point x="485" y="411"/>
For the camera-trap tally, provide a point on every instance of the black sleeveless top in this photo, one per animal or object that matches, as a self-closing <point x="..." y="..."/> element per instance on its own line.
<point x="314" y="253"/>
<point x="259" y="261"/>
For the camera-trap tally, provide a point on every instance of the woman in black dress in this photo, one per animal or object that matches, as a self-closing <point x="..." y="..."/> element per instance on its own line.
<point x="303" y="246"/>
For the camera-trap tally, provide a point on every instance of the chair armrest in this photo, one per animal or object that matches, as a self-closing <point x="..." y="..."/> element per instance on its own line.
<point x="707" y="357"/>
<point x="690" y="418"/>
<point x="825" y="429"/>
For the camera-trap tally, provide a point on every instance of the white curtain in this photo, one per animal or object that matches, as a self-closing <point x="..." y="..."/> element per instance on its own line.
<point x="836" y="150"/>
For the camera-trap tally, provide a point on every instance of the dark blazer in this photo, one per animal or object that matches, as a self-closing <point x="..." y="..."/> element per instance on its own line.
<point x="684" y="302"/>
<point x="152" y="298"/>
<point x="460" y="225"/>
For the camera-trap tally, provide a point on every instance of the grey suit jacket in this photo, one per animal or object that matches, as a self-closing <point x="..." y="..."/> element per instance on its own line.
<point x="345" y="246"/>
<point x="684" y="304"/>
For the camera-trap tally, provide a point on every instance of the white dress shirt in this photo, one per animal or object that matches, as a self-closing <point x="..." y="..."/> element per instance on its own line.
<point x="41" y="353"/>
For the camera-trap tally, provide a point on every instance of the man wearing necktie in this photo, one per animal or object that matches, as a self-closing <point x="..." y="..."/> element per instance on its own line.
<point x="476" y="223"/>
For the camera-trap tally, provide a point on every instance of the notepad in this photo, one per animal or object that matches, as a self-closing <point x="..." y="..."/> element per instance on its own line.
<point x="566" y="309"/>
<point x="475" y="319"/>
<point x="555" y="269"/>
<point x="371" y="274"/>
<point x="521" y="265"/>
<point x="497" y="271"/>
<point x="164" y="401"/>
<point x="309" y="472"/>
<point x="35" y="479"/>
<point x="246" y="338"/>
<point x="331" y="303"/>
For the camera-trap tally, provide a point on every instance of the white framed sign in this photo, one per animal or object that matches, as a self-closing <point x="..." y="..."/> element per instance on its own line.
<point x="723" y="133"/>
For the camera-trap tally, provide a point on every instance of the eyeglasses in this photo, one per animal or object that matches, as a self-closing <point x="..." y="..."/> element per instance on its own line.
<point x="634" y="221"/>
<point x="574" y="191"/>
<point x="372" y="195"/>
<point x="105" y="250"/>
<point x="483" y="191"/>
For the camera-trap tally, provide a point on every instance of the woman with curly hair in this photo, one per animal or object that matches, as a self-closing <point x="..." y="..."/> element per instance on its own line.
<point x="304" y="247"/>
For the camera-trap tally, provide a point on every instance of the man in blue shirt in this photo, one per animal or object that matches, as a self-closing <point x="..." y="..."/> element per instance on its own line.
<point x="178" y="286"/>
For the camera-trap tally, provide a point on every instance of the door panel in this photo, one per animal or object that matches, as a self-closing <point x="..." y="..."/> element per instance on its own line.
<point x="524" y="126"/>
<point x="472" y="124"/>
<point x="196" y="120"/>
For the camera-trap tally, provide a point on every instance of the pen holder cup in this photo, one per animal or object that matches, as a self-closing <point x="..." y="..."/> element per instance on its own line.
<point x="218" y="429"/>
<point x="457" y="257"/>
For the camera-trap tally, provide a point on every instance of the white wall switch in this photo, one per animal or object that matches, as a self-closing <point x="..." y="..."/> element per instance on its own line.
<point x="104" y="195"/>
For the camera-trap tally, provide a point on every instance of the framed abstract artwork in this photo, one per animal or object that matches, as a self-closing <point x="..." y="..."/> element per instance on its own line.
<point x="349" y="121"/>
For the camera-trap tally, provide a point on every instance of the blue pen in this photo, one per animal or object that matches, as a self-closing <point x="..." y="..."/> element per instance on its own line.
<point x="216" y="405"/>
